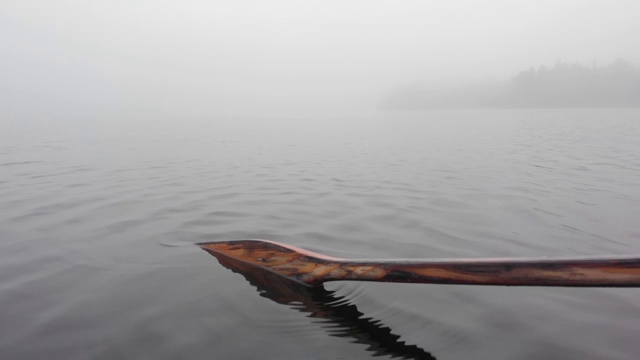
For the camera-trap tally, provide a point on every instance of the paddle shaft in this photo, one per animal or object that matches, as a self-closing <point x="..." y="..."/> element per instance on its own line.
<point x="603" y="272"/>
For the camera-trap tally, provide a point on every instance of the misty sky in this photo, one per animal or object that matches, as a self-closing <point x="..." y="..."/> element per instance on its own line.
<point x="145" y="59"/>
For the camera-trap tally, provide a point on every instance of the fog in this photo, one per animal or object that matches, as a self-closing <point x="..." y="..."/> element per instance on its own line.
<point x="149" y="59"/>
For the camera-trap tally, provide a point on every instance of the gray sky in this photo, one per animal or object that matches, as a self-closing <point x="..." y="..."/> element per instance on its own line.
<point x="145" y="59"/>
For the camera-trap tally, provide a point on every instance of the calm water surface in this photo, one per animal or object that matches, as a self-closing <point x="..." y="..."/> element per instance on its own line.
<point x="98" y="221"/>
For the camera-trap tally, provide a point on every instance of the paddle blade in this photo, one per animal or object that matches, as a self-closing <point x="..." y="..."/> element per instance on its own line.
<point x="295" y="264"/>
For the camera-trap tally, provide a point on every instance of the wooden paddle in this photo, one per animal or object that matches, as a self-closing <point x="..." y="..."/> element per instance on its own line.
<point x="312" y="269"/>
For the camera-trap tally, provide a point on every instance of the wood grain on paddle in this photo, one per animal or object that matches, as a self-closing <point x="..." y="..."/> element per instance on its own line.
<point x="313" y="269"/>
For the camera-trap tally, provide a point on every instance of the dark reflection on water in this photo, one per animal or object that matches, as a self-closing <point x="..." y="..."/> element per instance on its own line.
<point x="343" y="319"/>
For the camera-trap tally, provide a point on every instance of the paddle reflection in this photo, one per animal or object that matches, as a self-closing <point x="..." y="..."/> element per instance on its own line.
<point x="343" y="318"/>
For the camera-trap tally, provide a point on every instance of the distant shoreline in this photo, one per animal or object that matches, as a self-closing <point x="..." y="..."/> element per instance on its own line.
<point x="561" y="86"/>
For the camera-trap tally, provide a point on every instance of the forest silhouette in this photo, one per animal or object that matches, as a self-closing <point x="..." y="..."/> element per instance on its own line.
<point x="562" y="85"/>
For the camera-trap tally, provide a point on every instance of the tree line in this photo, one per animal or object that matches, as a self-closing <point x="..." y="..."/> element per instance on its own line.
<point x="561" y="85"/>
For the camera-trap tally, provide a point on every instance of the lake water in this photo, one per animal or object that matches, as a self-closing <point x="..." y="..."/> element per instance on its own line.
<point x="98" y="221"/>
